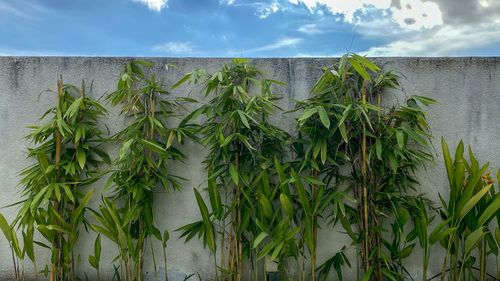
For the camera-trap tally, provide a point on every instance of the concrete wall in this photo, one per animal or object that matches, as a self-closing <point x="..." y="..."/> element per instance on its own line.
<point x="467" y="88"/>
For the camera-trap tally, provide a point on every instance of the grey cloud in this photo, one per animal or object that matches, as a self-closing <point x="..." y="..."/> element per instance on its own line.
<point x="410" y="21"/>
<point x="467" y="11"/>
<point x="396" y="3"/>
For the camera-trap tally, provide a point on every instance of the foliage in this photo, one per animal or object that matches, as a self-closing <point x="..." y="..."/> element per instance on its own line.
<point x="67" y="157"/>
<point x="344" y="124"/>
<point x="242" y="145"/>
<point x="473" y="203"/>
<point x="147" y="147"/>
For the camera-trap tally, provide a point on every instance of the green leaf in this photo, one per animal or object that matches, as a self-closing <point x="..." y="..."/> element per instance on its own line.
<point x="81" y="157"/>
<point x="234" y="173"/>
<point x="165" y="238"/>
<point x="97" y="247"/>
<point x="367" y="274"/>
<point x="267" y="207"/>
<point x="277" y="250"/>
<point x="435" y="232"/>
<point x="209" y="230"/>
<point x="124" y="148"/>
<point x="415" y="136"/>
<point x="323" y="116"/>
<point x="80" y="208"/>
<point x="492" y="208"/>
<point x="243" y="118"/>
<point x="286" y="204"/>
<point x="473" y="201"/>
<point x="360" y="69"/>
<point x="366" y="62"/>
<point x="343" y="132"/>
<point x="308" y="113"/>
<point x="152" y="145"/>
<point x="447" y="161"/>
<point x="6" y="229"/>
<point x="258" y="239"/>
<point x="497" y="235"/>
<point x="400" y="138"/>
<point x="441" y="235"/>
<point x="68" y="192"/>
<point x="473" y="239"/>
<point x="378" y="149"/>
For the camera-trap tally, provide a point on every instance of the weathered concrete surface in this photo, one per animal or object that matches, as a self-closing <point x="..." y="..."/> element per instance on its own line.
<point x="467" y="88"/>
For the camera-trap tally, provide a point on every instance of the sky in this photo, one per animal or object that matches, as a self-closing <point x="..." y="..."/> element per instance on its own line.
<point x="249" y="28"/>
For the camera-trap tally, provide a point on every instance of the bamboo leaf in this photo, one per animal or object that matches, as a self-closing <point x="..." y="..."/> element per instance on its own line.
<point x="323" y="116"/>
<point x="286" y="204"/>
<point x="308" y="113"/>
<point x="6" y="229"/>
<point x="258" y="239"/>
<point x="360" y="69"/>
<point x="367" y="274"/>
<point x="243" y="118"/>
<point x="234" y="173"/>
<point x="400" y="138"/>
<point x="152" y="145"/>
<point x="415" y="136"/>
<point x="125" y="147"/>
<point x="209" y="231"/>
<point x="81" y="157"/>
<point x="378" y="149"/>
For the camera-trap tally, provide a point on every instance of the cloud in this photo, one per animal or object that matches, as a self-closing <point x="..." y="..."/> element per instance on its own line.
<point x="175" y="48"/>
<point x="226" y="2"/>
<point x="155" y="5"/>
<point x="282" y="43"/>
<point x="285" y="42"/>
<point x="310" y="29"/>
<point x="410" y="14"/>
<point x="443" y="41"/>
<point x="265" y="11"/>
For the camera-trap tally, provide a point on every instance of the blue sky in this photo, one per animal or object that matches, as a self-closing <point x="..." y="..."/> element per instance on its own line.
<point x="250" y="28"/>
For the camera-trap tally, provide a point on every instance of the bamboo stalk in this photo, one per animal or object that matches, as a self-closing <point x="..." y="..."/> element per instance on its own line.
<point x="73" y="207"/>
<point x="57" y="161"/>
<point x="365" y="188"/>
<point x="315" y="230"/>
<point x="230" y="237"/>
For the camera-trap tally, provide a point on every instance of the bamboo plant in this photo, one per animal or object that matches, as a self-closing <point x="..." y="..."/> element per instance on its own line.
<point x="242" y="145"/>
<point x="147" y="147"/>
<point x="383" y="148"/>
<point x="67" y="158"/>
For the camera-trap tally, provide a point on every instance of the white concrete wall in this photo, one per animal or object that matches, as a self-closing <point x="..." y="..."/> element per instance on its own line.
<point x="467" y="88"/>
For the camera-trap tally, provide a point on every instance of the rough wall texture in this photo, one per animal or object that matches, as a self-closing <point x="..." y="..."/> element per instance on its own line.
<point x="467" y="88"/>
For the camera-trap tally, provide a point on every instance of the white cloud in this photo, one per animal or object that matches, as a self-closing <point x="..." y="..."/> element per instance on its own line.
<point x="444" y="41"/>
<point x="411" y="14"/>
<point x="155" y="5"/>
<point x="310" y="29"/>
<point x="285" y="42"/>
<point x="175" y="48"/>
<point x="415" y="14"/>
<point x="226" y="2"/>
<point x="265" y="11"/>
<point x="345" y="7"/>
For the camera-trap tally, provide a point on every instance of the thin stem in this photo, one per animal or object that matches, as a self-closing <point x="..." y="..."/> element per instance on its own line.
<point x="154" y="259"/>
<point x="165" y="261"/>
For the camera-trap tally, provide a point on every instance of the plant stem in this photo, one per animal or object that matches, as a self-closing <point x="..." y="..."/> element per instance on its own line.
<point x="154" y="259"/>
<point x="365" y="188"/>
<point x="165" y="261"/>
